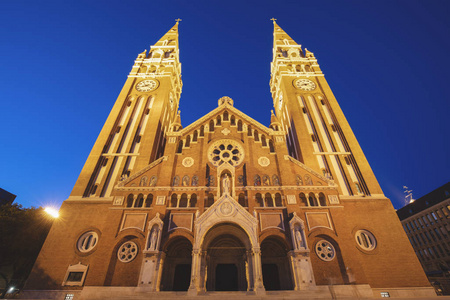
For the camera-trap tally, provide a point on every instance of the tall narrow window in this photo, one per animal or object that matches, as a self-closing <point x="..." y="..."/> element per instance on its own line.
<point x="194" y="139"/>
<point x="239" y="125"/>
<point x="211" y="126"/>
<point x="180" y="147"/>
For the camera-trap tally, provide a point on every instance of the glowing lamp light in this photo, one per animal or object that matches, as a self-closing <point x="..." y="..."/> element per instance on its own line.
<point x="11" y="289"/>
<point x="52" y="212"/>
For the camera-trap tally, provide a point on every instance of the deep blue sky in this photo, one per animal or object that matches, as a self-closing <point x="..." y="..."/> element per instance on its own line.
<point x="63" y="63"/>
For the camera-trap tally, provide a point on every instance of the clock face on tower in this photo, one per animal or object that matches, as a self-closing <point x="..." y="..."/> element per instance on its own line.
<point x="147" y="85"/>
<point x="304" y="84"/>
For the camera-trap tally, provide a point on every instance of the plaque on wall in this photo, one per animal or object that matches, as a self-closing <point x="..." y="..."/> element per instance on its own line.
<point x="271" y="220"/>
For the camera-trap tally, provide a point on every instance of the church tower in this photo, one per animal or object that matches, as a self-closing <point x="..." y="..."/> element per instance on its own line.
<point x="134" y="133"/>
<point x="317" y="132"/>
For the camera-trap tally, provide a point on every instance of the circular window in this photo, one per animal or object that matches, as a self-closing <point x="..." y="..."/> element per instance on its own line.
<point x="225" y="151"/>
<point x="127" y="252"/>
<point x="365" y="240"/>
<point x="87" y="241"/>
<point x="325" y="250"/>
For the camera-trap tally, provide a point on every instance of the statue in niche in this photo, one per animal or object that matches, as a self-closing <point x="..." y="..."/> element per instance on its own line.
<point x="195" y="180"/>
<point x="176" y="181"/>
<point x="185" y="181"/>
<point x="266" y="180"/>
<point x="153" y="239"/>
<point x="211" y="180"/>
<point x="299" y="180"/>
<point x="298" y="238"/>
<point x="143" y="181"/>
<point x="275" y="180"/>
<point x="257" y="180"/>
<point x="153" y="181"/>
<point x="241" y="180"/>
<point x="308" y="180"/>
<point x="226" y="185"/>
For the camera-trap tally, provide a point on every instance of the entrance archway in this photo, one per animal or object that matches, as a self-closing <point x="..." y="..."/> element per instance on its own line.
<point x="275" y="265"/>
<point x="225" y="258"/>
<point x="176" y="274"/>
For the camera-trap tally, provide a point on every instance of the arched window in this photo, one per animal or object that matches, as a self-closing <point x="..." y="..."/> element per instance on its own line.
<point x="239" y="125"/>
<point x="312" y="200"/>
<point x="256" y="135"/>
<point x="183" y="201"/>
<point x="266" y="180"/>
<point x="202" y="130"/>
<point x="225" y="116"/>
<point x="303" y="199"/>
<point x="130" y="200"/>
<point x="194" y="139"/>
<point x="218" y="121"/>
<point x="249" y="130"/>
<point x="211" y="126"/>
<point x="271" y="146"/>
<point x="278" y="200"/>
<point x="193" y="201"/>
<point x="257" y="180"/>
<point x="174" y="200"/>
<point x="259" y="200"/>
<point x="180" y="147"/>
<point x="233" y="121"/>
<point x="242" y="200"/>
<point x="149" y="200"/>
<point x="268" y="200"/>
<point x="322" y="200"/>
<point x="263" y="141"/>
<point x="188" y="141"/>
<point x="139" y="201"/>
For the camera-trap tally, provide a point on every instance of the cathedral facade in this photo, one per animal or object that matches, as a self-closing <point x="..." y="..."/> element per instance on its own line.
<point x="226" y="203"/>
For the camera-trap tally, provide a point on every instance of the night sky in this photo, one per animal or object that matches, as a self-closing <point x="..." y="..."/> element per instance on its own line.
<point x="63" y="64"/>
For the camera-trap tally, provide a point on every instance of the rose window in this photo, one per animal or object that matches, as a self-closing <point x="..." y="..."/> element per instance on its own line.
<point x="325" y="250"/>
<point x="225" y="151"/>
<point x="127" y="252"/>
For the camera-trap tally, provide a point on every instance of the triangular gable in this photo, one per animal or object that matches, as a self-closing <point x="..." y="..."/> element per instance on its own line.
<point x="225" y="210"/>
<point x="232" y="110"/>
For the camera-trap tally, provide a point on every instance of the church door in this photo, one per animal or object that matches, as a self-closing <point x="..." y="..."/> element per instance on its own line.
<point x="226" y="277"/>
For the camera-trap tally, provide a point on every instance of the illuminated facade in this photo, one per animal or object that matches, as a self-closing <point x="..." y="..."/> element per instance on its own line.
<point x="226" y="203"/>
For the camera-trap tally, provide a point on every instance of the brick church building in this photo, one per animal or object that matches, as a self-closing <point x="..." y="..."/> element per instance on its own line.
<point x="226" y="203"/>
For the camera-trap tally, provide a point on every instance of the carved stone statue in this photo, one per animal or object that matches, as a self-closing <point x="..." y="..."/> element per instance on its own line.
<point x="226" y="185"/>
<point x="298" y="239"/>
<point x="153" y="239"/>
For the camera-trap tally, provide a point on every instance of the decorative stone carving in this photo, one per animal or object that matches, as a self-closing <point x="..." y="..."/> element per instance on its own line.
<point x="154" y="228"/>
<point x="118" y="200"/>
<point x="188" y="162"/>
<point x="291" y="199"/>
<point x="160" y="200"/>
<point x="333" y="199"/>
<point x="153" y="181"/>
<point x="263" y="161"/>
<point x="226" y="131"/>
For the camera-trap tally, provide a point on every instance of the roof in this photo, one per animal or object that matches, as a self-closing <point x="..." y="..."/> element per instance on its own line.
<point x="435" y="197"/>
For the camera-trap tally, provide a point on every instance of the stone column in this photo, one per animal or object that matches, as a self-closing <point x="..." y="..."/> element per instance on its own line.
<point x="195" y="268"/>
<point x="301" y="269"/>
<point x="257" y="271"/>
<point x="151" y="270"/>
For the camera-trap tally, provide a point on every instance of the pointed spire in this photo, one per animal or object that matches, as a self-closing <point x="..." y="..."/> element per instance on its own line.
<point x="280" y="37"/>
<point x="170" y="37"/>
<point x="176" y="125"/>
<point x="274" y="123"/>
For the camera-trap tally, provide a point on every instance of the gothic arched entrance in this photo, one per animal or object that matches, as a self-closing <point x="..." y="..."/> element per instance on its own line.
<point x="275" y="265"/>
<point x="176" y="274"/>
<point x="226" y="266"/>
